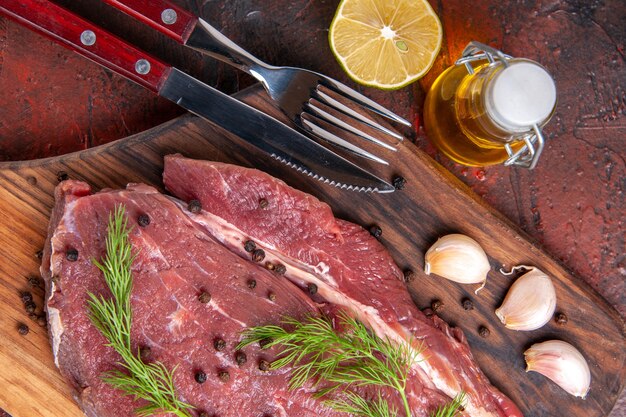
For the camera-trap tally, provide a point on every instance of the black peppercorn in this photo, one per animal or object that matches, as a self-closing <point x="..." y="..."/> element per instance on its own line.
<point x="467" y="304"/>
<point x="561" y="319"/>
<point x="409" y="275"/>
<point x="264" y="365"/>
<point x="270" y="266"/>
<point x="271" y="296"/>
<point x="23" y="329"/>
<point x="71" y="255"/>
<point x="436" y="305"/>
<point x="27" y="297"/>
<point x="252" y="284"/>
<point x="204" y="297"/>
<point x="224" y="376"/>
<point x="194" y="206"/>
<point x="30" y="307"/>
<point x="483" y="332"/>
<point x="41" y="321"/>
<point x="240" y="358"/>
<point x="263" y="203"/>
<point x="145" y="353"/>
<point x="398" y="182"/>
<point x="34" y="282"/>
<point x="258" y="255"/>
<point x="264" y="342"/>
<point x="280" y="269"/>
<point x="376" y="231"/>
<point x="62" y="176"/>
<point x="200" y="377"/>
<point x="143" y="220"/>
<point x="427" y="312"/>
<point x="312" y="288"/>
<point x="219" y="344"/>
<point x="249" y="246"/>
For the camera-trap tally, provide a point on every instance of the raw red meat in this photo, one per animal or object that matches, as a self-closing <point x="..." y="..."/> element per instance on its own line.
<point x="319" y="264"/>
<point x="176" y="263"/>
<point x="343" y="264"/>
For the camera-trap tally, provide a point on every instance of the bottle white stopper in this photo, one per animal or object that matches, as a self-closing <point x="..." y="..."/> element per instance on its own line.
<point x="521" y="95"/>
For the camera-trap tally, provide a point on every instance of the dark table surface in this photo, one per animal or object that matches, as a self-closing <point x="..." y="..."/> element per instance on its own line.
<point x="572" y="204"/>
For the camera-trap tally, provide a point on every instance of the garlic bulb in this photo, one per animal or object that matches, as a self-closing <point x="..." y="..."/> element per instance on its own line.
<point x="530" y="302"/>
<point x="562" y="363"/>
<point x="458" y="258"/>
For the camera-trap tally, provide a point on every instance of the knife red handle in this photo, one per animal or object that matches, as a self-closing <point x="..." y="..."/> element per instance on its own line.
<point x="161" y="15"/>
<point x="88" y="40"/>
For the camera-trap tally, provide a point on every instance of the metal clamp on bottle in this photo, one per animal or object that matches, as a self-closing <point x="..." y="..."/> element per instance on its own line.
<point x="489" y="108"/>
<point x="528" y="155"/>
<point x="476" y="51"/>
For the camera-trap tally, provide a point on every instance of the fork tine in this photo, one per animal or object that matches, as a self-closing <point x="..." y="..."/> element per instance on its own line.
<point x="361" y="99"/>
<point x="312" y="109"/>
<point x="354" y="114"/>
<point x="324" y="134"/>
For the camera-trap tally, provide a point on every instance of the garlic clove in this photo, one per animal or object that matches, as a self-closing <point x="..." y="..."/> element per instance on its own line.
<point x="458" y="258"/>
<point x="530" y="302"/>
<point x="562" y="363"/>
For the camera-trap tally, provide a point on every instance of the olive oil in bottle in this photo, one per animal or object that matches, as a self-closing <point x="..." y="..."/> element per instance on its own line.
<point x="489" y="108"/>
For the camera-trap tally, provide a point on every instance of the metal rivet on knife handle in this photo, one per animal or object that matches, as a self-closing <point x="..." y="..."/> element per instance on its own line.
<point x="169" y="16"/>
<point x="88" y="38"/>
<point x="142" y="66"/>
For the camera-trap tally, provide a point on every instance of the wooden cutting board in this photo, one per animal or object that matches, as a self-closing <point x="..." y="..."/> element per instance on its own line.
<point x="432" y="204"/>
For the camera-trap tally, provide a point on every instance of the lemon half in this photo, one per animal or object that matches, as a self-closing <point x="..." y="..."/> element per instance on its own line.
<point x="385" y="43"/>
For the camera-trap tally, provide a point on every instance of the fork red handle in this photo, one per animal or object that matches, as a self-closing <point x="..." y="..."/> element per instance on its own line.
<point x="88" y="40"/>
<point x="163" y="16"/>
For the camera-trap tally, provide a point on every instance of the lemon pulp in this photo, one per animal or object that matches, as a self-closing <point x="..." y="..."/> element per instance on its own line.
<point x="385" y="43"/>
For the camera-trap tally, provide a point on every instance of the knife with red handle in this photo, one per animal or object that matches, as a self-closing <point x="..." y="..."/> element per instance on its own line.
<point x="257" y="128"/>
<point x="88" y="40"/>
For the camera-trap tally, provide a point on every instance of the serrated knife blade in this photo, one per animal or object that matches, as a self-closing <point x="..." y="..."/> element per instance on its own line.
<point x="269" y="134"/>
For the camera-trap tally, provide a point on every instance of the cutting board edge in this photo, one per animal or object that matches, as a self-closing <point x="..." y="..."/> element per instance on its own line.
<point x="127" y="140"/>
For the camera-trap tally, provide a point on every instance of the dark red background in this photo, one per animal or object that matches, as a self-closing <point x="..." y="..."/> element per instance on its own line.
<point x="572" y="204"/>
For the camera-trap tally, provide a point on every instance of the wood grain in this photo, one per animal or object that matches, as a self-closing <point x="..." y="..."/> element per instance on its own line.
<point x="433" y="203"/>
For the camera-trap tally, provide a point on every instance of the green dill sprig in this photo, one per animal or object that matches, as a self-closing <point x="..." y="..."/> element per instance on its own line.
<point x="359" y="406"/>
<point x="451" y="409"/>
<point x="151" y="382"/>
<point x="353" y="357"/>
<point x="356" y="405"/>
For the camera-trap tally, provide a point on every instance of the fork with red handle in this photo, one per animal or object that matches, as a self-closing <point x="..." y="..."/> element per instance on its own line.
<point x="298" y="92"/>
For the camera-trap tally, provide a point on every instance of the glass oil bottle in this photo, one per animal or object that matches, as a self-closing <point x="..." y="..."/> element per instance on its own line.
<point x="489" y="108"/>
